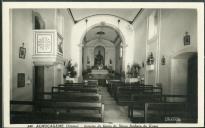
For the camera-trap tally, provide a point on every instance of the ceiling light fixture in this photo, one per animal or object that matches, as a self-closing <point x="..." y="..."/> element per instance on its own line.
<point x="100" y="33"/>
<point x="118" y="23"/>
<point x="86" y="21"/>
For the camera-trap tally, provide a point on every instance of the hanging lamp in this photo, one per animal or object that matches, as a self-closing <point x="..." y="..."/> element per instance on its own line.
<point x="85" y="39"/>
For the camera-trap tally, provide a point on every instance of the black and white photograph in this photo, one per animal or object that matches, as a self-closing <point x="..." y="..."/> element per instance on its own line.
<point x="123" y="65"/>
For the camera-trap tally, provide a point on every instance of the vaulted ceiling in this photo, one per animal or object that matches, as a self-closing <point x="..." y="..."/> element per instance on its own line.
<point x="123" y="13"/>
<point x="102" y="32"/>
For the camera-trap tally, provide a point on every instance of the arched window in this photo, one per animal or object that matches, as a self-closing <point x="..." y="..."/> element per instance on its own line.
<point x="121" y="52"/>
<point x="38" y="22"/>
<point x="152" y="24"/>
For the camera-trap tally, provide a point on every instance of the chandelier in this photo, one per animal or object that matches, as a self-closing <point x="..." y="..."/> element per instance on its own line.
<point x="85" y="39"/>
<point x="100" y="33"/>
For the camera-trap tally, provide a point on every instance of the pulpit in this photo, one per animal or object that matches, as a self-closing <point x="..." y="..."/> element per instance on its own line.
<point x="48" y="54"/>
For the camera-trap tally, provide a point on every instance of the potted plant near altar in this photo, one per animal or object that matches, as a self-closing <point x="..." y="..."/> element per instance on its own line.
<point x="133" y="73"/>
<point x="71" y="72"/>
<point x="135" y="70"/>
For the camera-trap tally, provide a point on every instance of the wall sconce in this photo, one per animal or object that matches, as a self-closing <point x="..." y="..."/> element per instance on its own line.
<point x="28" y="82"/>
<point x="163" y="60"/>
<point x="150" y="59"/>
<point x="75" y="65"/>
<point x="22" y="52"/>
<point x="143" y="64"/>
<point x="88" y="60"/>
<point x="186" y="39"/>
<point x="110" y="62"/>
<point x="59" y="66"/>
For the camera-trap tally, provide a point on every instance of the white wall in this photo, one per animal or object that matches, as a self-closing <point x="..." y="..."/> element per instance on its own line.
<point x="68" y="27"/>
<point x="21" y="33"/>
<point x="173" y="23"/>
<point x="60" y="20"/>
<point x="179" y="76"/>
<point x="118" y="59"/>
<point x="140" y="28"/>
<point x="22" y="25"/>
<point x="49" y="16"/>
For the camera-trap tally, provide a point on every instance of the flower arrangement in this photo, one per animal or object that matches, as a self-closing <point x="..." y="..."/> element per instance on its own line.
<point x="71" y="69"/>
<point x="133" y="70"/>
<point x="150" y="59"/>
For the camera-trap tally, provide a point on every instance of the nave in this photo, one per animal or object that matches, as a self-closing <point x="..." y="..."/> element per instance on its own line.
<point x="113" y="112"/>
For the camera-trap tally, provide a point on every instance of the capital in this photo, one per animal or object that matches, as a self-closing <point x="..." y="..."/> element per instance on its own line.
<point x="80" y="45"/>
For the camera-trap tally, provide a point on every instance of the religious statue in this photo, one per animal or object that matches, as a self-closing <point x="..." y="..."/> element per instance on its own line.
<point x="99" y="60"/>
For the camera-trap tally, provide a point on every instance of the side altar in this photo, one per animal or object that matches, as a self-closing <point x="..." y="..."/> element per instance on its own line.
<point x="99" y="71"/>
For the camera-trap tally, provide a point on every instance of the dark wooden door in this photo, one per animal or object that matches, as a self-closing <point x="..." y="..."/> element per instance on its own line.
<point x="39" y="82"/>
<point x="192" y="85"/>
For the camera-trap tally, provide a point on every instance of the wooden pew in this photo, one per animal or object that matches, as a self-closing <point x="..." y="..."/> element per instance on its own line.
<point x="83" y="89"/>
<point x="75" y="101"/>
<point x="123" y="94"/>
<point x="76" y="97"/>
<point x="174" y="98"/>
<point x="112" y="87"/>
<point x="58" y="111"/>
<point x="92" y="82"/>
<point x="72" y="84"/>
<point x="172" y="112"/>
<point x="156" y="107"/>
<point x="87" y="84"/>
<point x="137" y="104"/>
<point x="30" y="117"/>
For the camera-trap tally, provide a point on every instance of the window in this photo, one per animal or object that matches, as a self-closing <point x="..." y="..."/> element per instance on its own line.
<point x="37" y="23"/>
<point x="152" y="24"/>
<point x="121" y="52"/>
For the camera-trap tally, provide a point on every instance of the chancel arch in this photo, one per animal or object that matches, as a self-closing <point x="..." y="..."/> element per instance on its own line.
<point x="101" y="50"/>
<point x="121" y="27"/>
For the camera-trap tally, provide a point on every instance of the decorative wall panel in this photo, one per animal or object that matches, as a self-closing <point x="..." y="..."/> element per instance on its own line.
<point x="44" y="43"/>
<point x="48" y="47"/>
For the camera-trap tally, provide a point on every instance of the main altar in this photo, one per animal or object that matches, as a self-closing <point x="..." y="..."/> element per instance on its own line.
<point x="99" y="70"/>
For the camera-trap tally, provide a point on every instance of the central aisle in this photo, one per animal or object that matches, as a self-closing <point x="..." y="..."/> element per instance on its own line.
<point x="113" y="112"/>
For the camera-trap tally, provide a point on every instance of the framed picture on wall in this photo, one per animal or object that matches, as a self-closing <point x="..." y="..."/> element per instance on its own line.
<point x="22" y="52"/>
<point x="20" y="80"/>
<point x="60" y="44"/>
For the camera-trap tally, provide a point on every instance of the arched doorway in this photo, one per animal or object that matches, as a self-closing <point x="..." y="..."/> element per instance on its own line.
<point x="184" y="78"/>
<point x="106" y="42"/>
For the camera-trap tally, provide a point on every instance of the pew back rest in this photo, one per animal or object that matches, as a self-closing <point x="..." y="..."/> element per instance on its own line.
<point x="127" y="90"/>
<point x="143" y="98"/>
<point x="164" y="110"/>
<point x="75" y="89"/>
<point x="76" y="97"/>
<point x="174" y="98"/>
<point x="56" y="114"/>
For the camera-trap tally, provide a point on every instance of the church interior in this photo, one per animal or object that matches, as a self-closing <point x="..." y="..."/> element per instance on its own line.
<point x="106" y="65"/>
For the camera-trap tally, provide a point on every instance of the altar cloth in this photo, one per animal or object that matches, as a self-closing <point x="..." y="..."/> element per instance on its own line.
<point x="100" y="72"/>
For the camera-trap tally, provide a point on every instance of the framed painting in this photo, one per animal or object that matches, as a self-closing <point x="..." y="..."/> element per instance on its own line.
<point x="22" y="52"/>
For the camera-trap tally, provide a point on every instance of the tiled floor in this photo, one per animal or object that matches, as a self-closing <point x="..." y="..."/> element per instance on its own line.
<point x="113" y="112"/>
